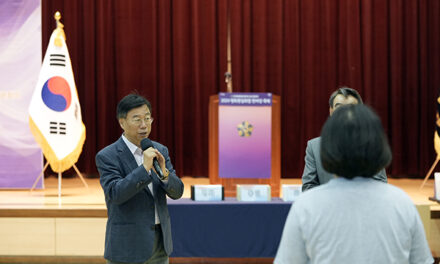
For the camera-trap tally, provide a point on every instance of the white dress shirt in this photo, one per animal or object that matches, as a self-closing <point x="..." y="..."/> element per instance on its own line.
<point x="139" y="157"/>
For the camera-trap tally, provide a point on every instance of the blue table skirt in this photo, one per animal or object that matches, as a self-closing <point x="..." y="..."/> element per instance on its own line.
<point x="227" y="229"/>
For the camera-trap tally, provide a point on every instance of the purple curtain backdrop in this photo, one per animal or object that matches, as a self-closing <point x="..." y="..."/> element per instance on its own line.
<point x="20" y="52"/>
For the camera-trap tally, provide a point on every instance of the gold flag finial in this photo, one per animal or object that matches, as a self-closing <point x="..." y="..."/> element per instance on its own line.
<point x="57" y="16"/>
<point x="59" y="29"/>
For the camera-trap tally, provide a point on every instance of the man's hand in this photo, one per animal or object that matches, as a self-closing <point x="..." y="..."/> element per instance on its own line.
<point x="149" y="155"/>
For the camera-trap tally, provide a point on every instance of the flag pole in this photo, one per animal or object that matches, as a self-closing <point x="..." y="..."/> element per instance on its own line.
<point x="228" y="73"/>
<point x="58" y="43"/>
<point x="59" y="187"/>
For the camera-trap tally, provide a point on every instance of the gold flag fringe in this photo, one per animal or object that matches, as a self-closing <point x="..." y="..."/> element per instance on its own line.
<point x="56" y="164"/>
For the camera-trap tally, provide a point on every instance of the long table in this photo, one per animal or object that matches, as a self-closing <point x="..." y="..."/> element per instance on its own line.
<point x="227" y="229"/>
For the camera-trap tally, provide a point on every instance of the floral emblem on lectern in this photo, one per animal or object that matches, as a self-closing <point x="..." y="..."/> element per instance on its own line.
<point x="245" y="129"/>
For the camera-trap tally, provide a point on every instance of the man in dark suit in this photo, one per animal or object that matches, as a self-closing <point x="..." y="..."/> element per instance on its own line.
<point x="138" y="226"/>
<point x="314" y="174"/>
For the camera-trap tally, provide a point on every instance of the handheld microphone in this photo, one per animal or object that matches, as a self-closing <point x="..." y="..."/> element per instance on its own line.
<point x="145" y="144"/>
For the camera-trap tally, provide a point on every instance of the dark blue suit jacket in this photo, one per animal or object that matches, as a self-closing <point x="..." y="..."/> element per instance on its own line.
<point x="130" y="229"/>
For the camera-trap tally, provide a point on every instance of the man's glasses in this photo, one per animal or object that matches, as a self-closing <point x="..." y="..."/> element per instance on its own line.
<point x="138" y="121"/>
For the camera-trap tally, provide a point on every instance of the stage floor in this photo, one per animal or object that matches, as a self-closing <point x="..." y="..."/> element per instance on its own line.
<point x="74" y="195"/>
<point x="87" y="207"/>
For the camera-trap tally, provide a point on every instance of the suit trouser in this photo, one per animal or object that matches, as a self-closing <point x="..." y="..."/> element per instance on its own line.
<point x="159" y="255"/>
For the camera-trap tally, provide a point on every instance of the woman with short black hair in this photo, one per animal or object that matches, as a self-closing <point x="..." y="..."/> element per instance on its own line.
<point x="354" y="218"/>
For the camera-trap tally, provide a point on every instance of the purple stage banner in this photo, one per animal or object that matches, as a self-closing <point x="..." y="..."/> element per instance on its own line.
<point x="246" y="99"/>
<point x="245" y="122"/>
<point x="21" y="159"/>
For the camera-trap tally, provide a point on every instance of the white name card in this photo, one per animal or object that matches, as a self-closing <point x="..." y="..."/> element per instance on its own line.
<point x="291" y="192"/>
<point x="253" y="192"/>
<point x="214" y="192"/>
<point x="437" y="185"/>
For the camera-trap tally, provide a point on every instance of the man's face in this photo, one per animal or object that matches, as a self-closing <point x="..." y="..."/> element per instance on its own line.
<point x="137" y="124"/>
<point x="342" y="100"/>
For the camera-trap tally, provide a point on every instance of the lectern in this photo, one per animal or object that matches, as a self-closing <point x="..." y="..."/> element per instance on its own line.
<point x="230" y="183"/>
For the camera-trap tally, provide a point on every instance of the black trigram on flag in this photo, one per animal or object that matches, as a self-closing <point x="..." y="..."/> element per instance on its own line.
<point x="57" y="128"/>
<point x="58" y="60"/>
